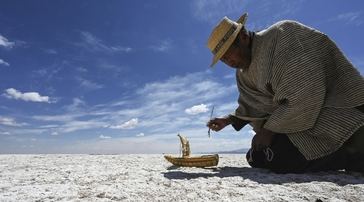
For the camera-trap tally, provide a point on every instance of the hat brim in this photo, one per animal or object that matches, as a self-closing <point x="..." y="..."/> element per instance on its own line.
<point x="226" y="46"/>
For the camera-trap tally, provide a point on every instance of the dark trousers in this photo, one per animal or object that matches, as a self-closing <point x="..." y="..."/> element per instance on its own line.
<point x="283" y="157"/>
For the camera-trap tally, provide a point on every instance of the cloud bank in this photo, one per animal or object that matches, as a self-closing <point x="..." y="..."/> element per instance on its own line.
<point x="12" y="93"/>
<point x="197" y="109"/>
<point x="127" y="125"/>
<point x="5" y="42"/>
<point x="2" y="62"/>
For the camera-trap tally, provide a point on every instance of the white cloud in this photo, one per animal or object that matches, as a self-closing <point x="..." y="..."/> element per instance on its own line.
<point x="127" y="125"/>
<point x="54" y="133"/>
<point x="76" y="125"/>
<point x="77" y="103"/>
<point x="89" y="85"/>
<point x="50" y="126"/>
<point x="184" y="88"/>
<point x="12" y="93"/>
<point x="120" y="49"/>
<point x="54" y="71"/>
<point x="73" y="121"/>
<point x="210" y="11"/>
<point x="251" y="132"/>
<point x="57" y="118"/>
<point x="125" y="145"/>
<point x="111" y="67"/>
<point x="163" y="46"/>
<point x="262" y="13"/>
<point x="156" y="103"/>
<point x="165" y="101"/>
<point x="29" y="130"/>
<point x="81" y="69"/>
<point x="104" y="137"/>
<point x="2" y="62"/>
<point x="350" y="18"/>
<point x="7" y="121"/>
<point x="90" y="42"/>
<point x="161" y="105"/>
<point x="229" y="76"/>
<point x="164" y="143"/>
<point x="51" y="51"/>
<point x="5" y="42"/>
<point x="69" y="123"/>
<point x="227" y="106"/>
<point x="5" y="133"/>
<point x="197" y="109"/>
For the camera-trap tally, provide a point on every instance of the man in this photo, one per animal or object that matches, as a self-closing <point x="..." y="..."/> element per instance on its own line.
<point x="298" y="91"/>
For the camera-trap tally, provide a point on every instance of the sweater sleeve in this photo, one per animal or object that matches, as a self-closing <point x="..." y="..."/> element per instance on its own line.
<point x="245" y="113"/>
<point x="298" y="79"/>
<point x="237" y="123"/>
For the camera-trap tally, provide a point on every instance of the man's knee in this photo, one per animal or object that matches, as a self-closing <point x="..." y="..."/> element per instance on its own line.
<point x="280" y="157"/>
<point x="256" y="159"/>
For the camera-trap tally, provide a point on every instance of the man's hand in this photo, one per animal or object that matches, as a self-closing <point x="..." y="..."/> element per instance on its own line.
<point x="216" y="124"/>
<point x="262" y="139"/>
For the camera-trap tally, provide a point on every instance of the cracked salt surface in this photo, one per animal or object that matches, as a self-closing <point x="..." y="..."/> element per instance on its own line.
<point x="151" y="178"/>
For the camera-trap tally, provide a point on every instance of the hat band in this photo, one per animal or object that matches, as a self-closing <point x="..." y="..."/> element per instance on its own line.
<point x="224" y="39"/>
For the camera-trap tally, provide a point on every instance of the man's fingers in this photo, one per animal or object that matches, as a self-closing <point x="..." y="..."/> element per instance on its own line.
<point x="211" y="121"/>
<point x="212" y="125"/>
<point x="215" y="124"/>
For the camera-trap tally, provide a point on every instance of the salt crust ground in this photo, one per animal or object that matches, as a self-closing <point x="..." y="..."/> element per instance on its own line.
<point x="151" y="178"/>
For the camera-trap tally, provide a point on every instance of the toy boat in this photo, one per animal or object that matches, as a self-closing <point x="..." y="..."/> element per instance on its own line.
<point x="187" y="161"/>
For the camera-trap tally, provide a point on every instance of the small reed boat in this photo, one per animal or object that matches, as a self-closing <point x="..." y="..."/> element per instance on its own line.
<point x="187" y="161"/>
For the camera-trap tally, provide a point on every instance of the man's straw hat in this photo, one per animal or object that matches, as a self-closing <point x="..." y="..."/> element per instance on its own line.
<point x="224" y="35"/>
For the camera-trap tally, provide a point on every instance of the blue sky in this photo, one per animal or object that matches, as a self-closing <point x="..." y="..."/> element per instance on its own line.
<point x="127" y="76"/>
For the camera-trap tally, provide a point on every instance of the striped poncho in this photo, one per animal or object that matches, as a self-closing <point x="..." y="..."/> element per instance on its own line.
<point x="300" y="83"/>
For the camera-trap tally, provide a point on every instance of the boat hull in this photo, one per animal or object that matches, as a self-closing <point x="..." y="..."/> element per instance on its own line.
<point x="196" y="161"/>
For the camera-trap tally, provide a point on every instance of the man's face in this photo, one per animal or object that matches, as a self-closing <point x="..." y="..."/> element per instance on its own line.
<point x="238" y="56"/>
